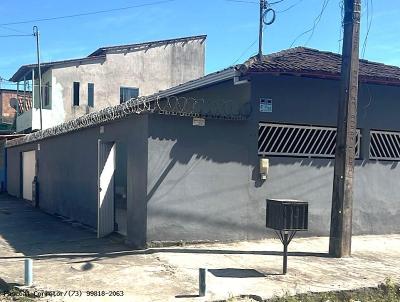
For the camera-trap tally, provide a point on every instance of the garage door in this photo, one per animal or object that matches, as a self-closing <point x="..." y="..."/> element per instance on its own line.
<point x="28" y="173"/>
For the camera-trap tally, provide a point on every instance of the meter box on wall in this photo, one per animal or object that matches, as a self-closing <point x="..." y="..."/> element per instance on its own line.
<point x="287" y="215"/>
<point x="265" y="105"/>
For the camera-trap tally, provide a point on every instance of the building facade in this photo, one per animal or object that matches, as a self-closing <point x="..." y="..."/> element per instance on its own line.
<point x="107" y="77"/>
<point x="193" y="152"/>
<point x="7" y="112"/>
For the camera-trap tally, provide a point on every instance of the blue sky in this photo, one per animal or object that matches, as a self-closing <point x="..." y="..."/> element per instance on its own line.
<point x="231" y="28"/>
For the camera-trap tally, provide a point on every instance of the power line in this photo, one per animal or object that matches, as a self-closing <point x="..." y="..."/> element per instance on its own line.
<point x="242" y="1"/>
<point x="312" y="29"/>
<point x="368" y="27"/>
<point x="21" y="35"/>
<point x="87" y="13"/>
<point x="289" y="8"/>
<point x="245" y="51"/>
<point x="13" y="29"/>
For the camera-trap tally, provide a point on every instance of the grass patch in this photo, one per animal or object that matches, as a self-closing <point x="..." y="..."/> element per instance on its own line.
<point x="386" y="292"/>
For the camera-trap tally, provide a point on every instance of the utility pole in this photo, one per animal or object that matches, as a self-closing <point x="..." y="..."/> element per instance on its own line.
<point x="36" y="34"/>
<point x="261" y="30"/>
<point x="264" y="11"/>
<point x="342" y="197"/>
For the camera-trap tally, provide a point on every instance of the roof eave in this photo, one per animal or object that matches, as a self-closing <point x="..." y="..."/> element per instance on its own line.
<point x="327" y="75"/>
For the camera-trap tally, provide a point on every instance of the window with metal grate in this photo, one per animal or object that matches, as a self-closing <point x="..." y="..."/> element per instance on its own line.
<point x="299" y="141"/>
<point x="384" y="145"/>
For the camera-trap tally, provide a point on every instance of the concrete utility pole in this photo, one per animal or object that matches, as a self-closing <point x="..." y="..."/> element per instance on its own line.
<point x="342" y="197"/>
<point x="36" y="34"/>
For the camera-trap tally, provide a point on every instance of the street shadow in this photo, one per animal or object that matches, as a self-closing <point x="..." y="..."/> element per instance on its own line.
<point x="38" y="235"/>
<point x="186" y="296"/>
<point x="236" y="273"/>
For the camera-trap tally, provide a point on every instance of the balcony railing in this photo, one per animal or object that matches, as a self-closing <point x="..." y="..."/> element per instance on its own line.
<point x="24" y="104"/>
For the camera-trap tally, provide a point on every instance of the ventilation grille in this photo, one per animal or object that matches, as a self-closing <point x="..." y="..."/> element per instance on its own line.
<point x="299" y="141"/>
<point x="384" y="145"/>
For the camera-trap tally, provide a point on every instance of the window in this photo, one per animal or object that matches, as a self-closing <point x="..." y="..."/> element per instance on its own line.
<point x="75" y="95"/>
<point x="46" y="95"/>
<point x="384" y="145"/>
<point x="127" y="93"/>
<point x="90" y="94"/>
<point x="299" y="141"/>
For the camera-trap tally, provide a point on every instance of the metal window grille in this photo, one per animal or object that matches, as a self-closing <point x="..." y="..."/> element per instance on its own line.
<point x="299" y="141"/>
<point x="384" y="145"/>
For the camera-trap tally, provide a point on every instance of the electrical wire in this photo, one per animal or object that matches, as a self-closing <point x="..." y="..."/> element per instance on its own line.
<point x="243" y="1"/>
<point x="245" y="51"/>
<point x="369" y="16"/>
<point x="87" y="13"/>
<point x="312" y="29"/>
<point x="290" y="7"/>
<point x="341" y="25"/>
<point x="21" y="35"/>
<point x="13" y="29"/>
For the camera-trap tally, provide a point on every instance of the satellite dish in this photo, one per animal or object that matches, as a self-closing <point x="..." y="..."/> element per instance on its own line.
<point x="14" y="103"/>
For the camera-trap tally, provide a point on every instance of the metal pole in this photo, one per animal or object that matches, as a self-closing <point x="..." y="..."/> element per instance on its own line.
<point x="261" y="29"/>
<point x="18" y="99"/>
<point x="285" y="251"/>
<point x="36" y="34"/>
<point x="28" y="272"/>
<point x="342" y="197"/>
<point x="202" y="282"/>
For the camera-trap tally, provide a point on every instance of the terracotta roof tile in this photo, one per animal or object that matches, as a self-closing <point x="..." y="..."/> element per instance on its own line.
<point x="302" y="60"/>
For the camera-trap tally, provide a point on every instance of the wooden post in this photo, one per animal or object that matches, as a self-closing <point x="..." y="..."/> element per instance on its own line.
<point x="342" y="197"/>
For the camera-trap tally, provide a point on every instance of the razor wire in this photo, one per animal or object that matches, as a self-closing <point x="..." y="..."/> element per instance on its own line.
<point x="169" y="105"/>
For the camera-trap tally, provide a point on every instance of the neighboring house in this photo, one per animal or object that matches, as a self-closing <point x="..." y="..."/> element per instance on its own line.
<point x="107" y="77"/>
<point x="192" y="179"/>
<point x="7" y="112"/>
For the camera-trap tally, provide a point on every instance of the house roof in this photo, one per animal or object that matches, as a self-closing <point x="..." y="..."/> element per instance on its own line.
<point x="315" y="63"/>
<point x="25" y="70"/>
<point x="144" y="45"/>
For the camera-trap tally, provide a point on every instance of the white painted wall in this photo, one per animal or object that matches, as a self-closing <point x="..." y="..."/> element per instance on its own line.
<point x="150" y="70"/>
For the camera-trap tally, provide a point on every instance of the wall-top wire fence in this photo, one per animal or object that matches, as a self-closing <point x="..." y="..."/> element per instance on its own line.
<point x="171" y="105"/>
<point x="299" y="141"/>
<point x="384" y="145"/>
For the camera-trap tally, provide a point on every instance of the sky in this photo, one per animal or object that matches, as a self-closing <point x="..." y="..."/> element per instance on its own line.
<point x="231" y="27"/>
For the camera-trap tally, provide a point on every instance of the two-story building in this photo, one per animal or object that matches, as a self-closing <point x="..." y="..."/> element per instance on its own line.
<point x="108" y="76"/>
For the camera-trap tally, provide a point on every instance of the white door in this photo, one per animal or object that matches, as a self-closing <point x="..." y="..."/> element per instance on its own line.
<point x="28" y="173"/>
<point x="106" y="171"/>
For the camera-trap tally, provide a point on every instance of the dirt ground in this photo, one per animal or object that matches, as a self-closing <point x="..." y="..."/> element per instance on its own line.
<point x="70" y="261"/>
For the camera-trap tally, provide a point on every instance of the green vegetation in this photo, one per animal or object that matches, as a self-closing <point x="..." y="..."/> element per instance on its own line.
<point x="386" y="292"/>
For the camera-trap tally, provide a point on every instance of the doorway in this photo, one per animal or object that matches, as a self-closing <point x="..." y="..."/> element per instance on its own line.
<point x="120" y="190"/>
<point x="28" y="173"/>
<point x="112" y="181"/>
<point x="105" y="180"/>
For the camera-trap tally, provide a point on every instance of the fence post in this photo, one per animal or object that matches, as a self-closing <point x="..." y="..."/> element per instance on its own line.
<point x="202" y="282"/>
<point x="28" y="272"/>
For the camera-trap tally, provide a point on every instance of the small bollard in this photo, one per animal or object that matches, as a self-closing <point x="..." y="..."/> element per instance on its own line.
<point x="28" y="272"/>
<point x="202" y="282"/>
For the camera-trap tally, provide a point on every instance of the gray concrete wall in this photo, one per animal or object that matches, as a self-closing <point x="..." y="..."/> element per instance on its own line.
<point x="308" y="101"/>
<point x="67" y="172"/>
<point x="204" y="182"/>
<point x="199" y="181"/>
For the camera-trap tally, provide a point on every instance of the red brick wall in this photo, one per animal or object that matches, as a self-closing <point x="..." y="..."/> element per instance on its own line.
<point x="7" y="112"/>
